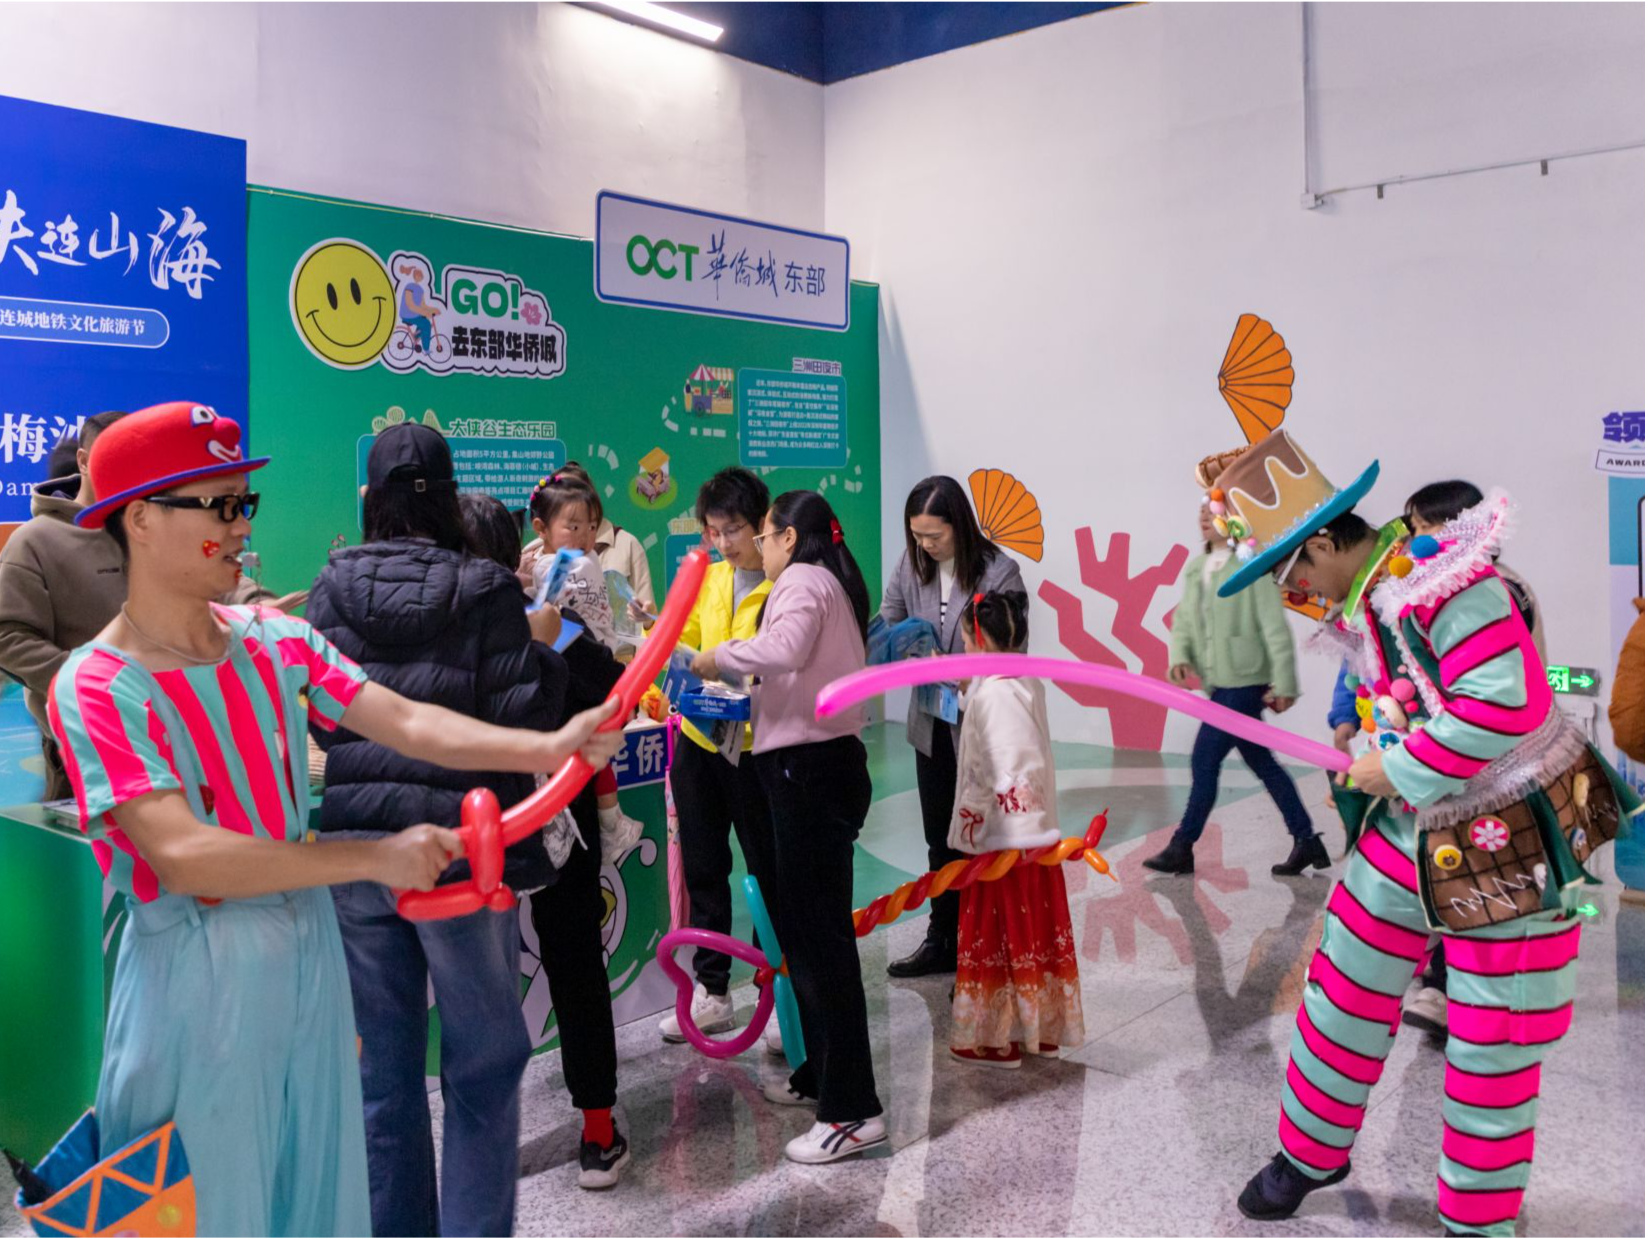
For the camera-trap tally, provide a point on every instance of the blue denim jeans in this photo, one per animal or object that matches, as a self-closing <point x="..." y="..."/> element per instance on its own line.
<point x="1211" y="748"/>
<point x="474" y="963"/>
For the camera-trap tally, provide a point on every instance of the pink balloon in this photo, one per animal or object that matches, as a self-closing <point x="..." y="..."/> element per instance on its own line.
<point x="684" y="986"/>
<point x="877" y="680"/>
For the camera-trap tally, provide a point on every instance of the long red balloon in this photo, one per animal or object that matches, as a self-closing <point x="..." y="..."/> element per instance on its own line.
<point x="486" y="830"/>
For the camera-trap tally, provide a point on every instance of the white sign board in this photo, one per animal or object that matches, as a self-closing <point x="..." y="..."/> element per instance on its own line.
<point x="697" y="262"/>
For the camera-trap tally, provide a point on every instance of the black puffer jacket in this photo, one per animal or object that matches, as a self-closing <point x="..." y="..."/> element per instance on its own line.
<point x="447" y="628"/>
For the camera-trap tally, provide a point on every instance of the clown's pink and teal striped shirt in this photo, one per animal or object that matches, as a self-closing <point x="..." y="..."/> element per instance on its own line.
<point x="243" y="740"/>
<point x="1491" y="683"/>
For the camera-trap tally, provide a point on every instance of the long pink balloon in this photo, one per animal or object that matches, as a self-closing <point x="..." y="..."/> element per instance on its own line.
<point x="877" y="680"/>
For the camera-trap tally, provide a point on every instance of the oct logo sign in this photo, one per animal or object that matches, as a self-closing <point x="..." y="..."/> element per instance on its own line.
<point x="665" y="259"/>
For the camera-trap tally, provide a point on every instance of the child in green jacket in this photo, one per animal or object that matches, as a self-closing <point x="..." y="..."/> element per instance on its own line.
<point x="1241" y="650"/>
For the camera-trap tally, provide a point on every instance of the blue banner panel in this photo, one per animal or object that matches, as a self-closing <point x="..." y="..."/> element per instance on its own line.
<point x="122" y="277"/>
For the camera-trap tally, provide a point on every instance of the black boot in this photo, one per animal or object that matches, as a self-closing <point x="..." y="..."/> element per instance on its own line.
<point x="933" y="958"/>
<point x="1305" y="853"/>
<point x="1279" y="1189"/>
<point x="1178" y="857"/>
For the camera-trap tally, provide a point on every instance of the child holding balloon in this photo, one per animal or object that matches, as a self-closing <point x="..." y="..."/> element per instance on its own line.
<point x="564" y="512"/>
<point x="814" y="771"/>
<point x="1017" y="988"/>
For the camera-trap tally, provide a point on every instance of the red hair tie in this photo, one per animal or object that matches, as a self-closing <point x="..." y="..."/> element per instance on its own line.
<point x="839" y="533"/>
<point x="976" y="620"/>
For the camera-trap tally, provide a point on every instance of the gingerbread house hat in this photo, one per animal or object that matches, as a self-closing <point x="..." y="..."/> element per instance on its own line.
<point x="1274" y="498"/>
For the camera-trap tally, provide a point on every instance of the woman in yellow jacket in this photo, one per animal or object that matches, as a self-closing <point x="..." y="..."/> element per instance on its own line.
<point x="713" y="796"/>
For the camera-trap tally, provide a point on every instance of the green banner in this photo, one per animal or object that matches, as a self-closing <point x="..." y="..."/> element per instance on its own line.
<point x="364" y="316"/>
<point x="524" y="369"/>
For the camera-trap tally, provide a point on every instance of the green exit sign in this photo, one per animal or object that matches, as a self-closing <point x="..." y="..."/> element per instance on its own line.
<point x="1574" y="680"/>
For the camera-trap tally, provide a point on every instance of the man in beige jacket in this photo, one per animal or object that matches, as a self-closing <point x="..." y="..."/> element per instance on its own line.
<point x="60" y="586"/>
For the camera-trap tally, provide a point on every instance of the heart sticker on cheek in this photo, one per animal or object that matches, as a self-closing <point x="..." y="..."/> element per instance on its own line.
<point x="210" y="548"/>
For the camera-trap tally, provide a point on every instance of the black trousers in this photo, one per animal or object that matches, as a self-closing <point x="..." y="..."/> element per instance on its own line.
<point x="819" y="796"/>
<point x="938" y="778"/>
<point x="567" y="917"/>
<point x="713" y="798"/>
<point x="1437" y="974"/>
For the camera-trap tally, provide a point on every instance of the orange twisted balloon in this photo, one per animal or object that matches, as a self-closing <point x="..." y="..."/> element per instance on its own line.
<point x="958" y="874"/>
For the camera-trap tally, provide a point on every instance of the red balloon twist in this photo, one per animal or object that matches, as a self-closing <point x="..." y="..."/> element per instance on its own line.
<point x="486" y="830"/>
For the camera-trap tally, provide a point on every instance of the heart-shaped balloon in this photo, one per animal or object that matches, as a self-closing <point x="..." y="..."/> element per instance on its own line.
<point x="776" y="989"/>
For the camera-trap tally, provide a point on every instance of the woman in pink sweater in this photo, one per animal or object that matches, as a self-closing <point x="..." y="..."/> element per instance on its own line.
<point x="815" y="775"/>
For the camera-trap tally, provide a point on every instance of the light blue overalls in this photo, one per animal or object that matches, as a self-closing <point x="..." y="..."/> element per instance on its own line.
<point x="237" y="1021"/>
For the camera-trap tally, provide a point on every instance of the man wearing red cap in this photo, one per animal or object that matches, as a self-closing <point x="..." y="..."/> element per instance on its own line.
<point x="183" y="728"/>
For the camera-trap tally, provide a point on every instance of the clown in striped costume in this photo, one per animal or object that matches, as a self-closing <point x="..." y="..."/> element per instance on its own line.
<point x="1476" y="805"/>
<point x="183" y="728"/>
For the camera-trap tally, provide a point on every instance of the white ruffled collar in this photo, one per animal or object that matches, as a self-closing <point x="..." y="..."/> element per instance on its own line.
<point x="1468" y="545"/>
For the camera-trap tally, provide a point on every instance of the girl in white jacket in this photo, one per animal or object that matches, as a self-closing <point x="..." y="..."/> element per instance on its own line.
<point x="1018" y="985"/>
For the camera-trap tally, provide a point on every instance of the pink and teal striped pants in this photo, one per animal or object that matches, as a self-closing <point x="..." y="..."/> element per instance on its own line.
<point x="1510" y="988"/>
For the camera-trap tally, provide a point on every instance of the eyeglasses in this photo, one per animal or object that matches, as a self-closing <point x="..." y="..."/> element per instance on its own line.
<point x="1283" y="571"/>
<point x="729" y="532"/>
<point x="759" y="541"/>
<point x="229" y="507"/>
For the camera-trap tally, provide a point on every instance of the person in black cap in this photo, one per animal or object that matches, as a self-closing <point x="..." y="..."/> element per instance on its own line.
<point x="435" y="624"/>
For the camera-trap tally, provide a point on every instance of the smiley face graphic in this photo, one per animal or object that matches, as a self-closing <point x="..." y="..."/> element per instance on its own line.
<point x="342" y="303"/>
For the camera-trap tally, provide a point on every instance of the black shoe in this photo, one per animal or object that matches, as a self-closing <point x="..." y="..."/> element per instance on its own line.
<point x="933" y="958"/>
<point x="601" y="1167"/>
<point x="1305" y="853"/>
<point x="1176" y="858"/>
<point x="1279" y="1189"/>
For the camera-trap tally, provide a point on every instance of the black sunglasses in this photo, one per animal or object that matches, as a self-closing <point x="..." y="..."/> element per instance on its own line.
<point x="229" y="507"/>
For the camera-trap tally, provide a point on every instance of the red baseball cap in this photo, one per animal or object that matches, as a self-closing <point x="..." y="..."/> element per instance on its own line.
<point x="157" y="448"/>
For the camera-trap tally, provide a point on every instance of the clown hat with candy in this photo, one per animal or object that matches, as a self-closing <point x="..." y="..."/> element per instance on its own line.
<point x="158" y="449"/>
<point x="1270" y="498"/>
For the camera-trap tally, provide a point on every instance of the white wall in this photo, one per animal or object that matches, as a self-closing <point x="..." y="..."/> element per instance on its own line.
<point x="1067" y="223"/>
<point x="516" y="113"/>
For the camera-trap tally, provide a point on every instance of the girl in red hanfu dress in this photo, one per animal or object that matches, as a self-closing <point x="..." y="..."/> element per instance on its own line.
<point x="1018" y="984"/>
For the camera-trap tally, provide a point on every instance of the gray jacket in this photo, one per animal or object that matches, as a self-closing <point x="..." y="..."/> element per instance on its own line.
<point x="906" y="595"/>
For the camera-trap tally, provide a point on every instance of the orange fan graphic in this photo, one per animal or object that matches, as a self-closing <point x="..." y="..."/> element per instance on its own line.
<point x="1008" y="513"/>
<point x="1256" y="377"/>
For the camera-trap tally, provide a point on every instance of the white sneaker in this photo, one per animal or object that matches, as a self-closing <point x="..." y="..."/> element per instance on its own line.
<point x="1427" y="1011"/>
<point x="779" y="1093"/>
<point x="774" y="1037"/>
<point x="833" y="1141"/>
<point x="710" y="1013"/>
<point x="619" y="832"/>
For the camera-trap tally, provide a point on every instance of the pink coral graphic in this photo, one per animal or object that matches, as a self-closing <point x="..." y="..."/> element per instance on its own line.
<point x="1135" y="724"/>
<point x="1137" y="902"/>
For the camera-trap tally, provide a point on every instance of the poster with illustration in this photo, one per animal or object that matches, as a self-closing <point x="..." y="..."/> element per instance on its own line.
<point x="1626" y="503"/>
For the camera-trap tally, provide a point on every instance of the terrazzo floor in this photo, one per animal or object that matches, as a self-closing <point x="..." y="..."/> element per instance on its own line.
<point x="1153" y="1125"/>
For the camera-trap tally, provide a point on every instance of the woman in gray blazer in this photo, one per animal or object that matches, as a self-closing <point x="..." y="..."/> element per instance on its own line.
<point x="948" y="559"/>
